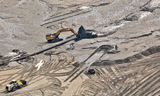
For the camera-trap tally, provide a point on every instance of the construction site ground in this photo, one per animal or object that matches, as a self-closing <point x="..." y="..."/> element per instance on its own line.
<point x="132" y="25"/>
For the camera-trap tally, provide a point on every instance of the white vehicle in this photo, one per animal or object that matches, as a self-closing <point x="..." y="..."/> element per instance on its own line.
<point x="14" y="85"/>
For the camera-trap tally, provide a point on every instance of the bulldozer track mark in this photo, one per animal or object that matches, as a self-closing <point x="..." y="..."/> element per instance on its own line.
<point x="10" y="77"/>
<point x="142" y="82"/>
<point x="63" y="62"/>
<point x="62" y="65"/>
<point x="35" y="80"/>
<point x="73" y="73"/>
<point x="150" y="84"/>
<point x="37" y="87"/>
<point x="43" y="94"/>
<point x="102" y="80"/>
<point x="65" y="17"/>
<point x="150" y="91"/>
<point x="90" y="83"/>
<point x="61" y="15"/>
<point x="4" y="68"/>
<point x="155" y="93"/>
<point x="59" y="74"/>
<point x="60" y="61"/>
<point x="149" y="71"/>
<point x="31" y="74"/>
<point x="77" y="75"/>
<point x="110" y="72"/>
<point x="72" y="13"/>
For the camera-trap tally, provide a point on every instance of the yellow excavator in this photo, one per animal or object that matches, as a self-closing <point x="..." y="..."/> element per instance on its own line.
<point x="52" y="38"/>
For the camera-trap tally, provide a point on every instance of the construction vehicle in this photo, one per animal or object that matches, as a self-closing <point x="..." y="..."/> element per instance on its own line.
<point x="52" y="38"/>
<point x="14" y="85"/>
<point x="82" y="34"/>
<point x="90" y="71"/>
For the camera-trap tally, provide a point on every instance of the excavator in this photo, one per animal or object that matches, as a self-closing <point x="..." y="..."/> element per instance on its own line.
<point x="52" y="38"/>
<point x="82" y="34"/>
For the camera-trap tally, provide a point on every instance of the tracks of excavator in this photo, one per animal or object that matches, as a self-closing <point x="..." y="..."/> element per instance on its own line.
<point x="116" y="81"/>
<point x="51" y="69"/>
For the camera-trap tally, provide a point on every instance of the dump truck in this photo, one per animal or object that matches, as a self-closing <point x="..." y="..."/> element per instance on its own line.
<point x="15" y="85"/>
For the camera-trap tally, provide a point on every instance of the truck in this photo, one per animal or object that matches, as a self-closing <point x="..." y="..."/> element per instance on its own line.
<point x="15" y="85"/>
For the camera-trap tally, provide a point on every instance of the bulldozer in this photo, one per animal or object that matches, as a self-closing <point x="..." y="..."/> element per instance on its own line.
<point x="52" y="38"/>
<point x="14" y="85"/>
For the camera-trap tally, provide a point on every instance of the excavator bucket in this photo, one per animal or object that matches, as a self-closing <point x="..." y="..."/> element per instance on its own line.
<point x="83" y="34"/>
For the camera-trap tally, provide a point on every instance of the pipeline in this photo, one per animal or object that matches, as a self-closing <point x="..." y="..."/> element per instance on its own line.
<point x="39" y="52"/>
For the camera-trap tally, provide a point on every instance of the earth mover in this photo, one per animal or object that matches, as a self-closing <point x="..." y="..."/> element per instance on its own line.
<point x="84" y="34"/>
<point x="52" y="38"/>
<point x="14" y="85"/>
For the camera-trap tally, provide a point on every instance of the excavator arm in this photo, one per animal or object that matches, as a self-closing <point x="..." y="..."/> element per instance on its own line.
<point x="64" y="30"/>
